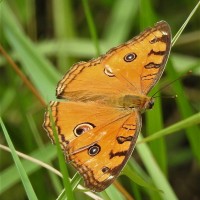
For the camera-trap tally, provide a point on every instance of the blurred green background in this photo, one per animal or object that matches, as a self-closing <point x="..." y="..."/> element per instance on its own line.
<point x="46" y="37"/>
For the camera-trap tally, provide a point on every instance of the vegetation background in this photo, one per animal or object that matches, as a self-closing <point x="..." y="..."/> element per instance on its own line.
<point x="45" y="38"/>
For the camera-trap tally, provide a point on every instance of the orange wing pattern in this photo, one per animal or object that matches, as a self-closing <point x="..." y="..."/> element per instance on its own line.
<point x="134" y="67"/>
<point x="98" y="141"/>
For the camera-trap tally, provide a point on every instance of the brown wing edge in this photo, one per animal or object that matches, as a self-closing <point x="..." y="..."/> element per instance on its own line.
<point x="47" y="124"/>
<point x="164" y="27"/>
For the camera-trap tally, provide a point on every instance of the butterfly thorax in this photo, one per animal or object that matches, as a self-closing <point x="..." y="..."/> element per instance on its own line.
<point x="140" y="103"/>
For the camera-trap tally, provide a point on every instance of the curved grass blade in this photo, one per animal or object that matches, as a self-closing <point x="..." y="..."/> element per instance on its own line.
<point x="175" y="38"/>
<point x="62" y="164"/>
<point x="25" y="180"/>
<point x="155" y="172"/>
<point x="190" y="121"/>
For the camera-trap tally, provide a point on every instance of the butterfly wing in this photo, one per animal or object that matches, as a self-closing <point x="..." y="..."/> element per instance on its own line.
<point x="141" y="61"/>
<point x="131" y="68"/>
<point x="87" y="81"/>
<point x="98" y="141"/>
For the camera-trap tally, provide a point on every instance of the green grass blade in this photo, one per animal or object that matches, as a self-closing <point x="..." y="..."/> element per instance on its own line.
<point x="112" y="193"/>
<point x="91" y="25"/>
<point x="10" y="175"/>
<point x="186" y="111"/>
<point x="155" y="172"/>
<point x="24" y="178"/>
<point x="131" y="173"/>
<point x="76" y="180"/>
<point x="62" y="164"/>
<point x="153" y="194"/>
<point x="64" y="18"/>
<point x="152" y="127"/>
<point x="186" y="123"/>
<point x="54" y="179"/>
<point x="147" y="14"/>
<point x="118" y="23"/>
<point x="185" y="24"/>
<point x="64" y="27"/>
<point x="156" y="114"/>
<point x="35" y="65"/>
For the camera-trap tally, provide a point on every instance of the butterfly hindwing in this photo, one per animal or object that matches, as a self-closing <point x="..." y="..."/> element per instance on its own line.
<point x="103" y="149"/>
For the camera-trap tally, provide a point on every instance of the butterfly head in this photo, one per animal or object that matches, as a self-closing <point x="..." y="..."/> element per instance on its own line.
<point x="147" y="103"/>
<point x="150" y="103"/>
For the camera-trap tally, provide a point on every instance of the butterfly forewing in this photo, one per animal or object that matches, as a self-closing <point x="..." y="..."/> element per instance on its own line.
<point x="141" y="61"/>
<point x="160" y="41"/>
<point x="97" y="79"/>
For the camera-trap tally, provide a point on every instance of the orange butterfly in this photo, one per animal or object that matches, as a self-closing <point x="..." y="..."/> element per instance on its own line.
<point x="99" y="124"/>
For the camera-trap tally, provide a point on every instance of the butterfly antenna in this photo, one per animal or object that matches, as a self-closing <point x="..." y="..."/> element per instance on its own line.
<point x="167" y="96"/>
<point x="170" y="83"/>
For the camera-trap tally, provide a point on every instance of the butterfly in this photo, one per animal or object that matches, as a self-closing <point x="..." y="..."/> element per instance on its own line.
<point x="99" y="117"/>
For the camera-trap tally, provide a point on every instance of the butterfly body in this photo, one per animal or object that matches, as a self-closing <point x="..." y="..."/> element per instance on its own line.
<point x="100" y="119"/>
<point x="140" y="103"/>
